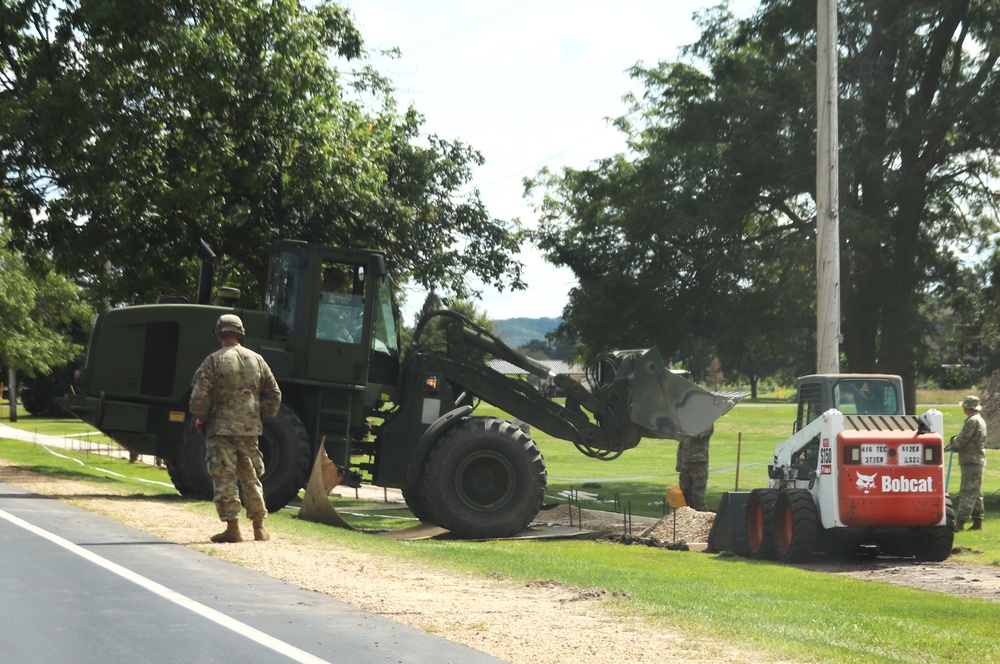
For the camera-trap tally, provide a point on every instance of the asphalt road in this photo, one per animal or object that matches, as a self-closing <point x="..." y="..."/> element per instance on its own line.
<point x="75" y="587"/>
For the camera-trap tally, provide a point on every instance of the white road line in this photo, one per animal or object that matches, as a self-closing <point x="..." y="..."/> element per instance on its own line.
<point x="217" y="617"/>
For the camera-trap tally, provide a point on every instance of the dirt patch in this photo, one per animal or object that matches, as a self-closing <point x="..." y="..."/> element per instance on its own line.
<point x="953" y="578"/>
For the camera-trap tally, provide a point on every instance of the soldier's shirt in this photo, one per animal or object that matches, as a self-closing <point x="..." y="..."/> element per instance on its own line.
<point x="971" y="442"/>
<point x="233" y="391"/>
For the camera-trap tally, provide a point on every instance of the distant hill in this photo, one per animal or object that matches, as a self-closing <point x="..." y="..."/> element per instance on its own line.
<point x="518" y="332"/>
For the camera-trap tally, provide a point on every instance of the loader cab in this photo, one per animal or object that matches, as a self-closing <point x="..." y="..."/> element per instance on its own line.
<point x="336" y="308"/>
<point x="851" y="394"/>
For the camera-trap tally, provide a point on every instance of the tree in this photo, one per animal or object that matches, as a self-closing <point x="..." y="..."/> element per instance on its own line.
<point x="38" y="307"/>
<point x="434" y="334"/>
<point x="756" y="356"/>
<point x="130" y="129"/>
<point x="714" y="375"/>
<point x="711" y="221"/>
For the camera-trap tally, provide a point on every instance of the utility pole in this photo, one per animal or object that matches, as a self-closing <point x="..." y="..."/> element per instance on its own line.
<point x="827" y="192"/>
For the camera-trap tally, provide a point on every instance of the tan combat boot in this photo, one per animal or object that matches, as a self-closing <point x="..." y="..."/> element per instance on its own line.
<point x="231" y="534"/>
<point x="259" y="533"/>
<point x="977" y="524"/>
<point x="959" y="525"/>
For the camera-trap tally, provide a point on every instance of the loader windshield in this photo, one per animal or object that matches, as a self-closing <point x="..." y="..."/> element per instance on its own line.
<point x="340" y="316"/>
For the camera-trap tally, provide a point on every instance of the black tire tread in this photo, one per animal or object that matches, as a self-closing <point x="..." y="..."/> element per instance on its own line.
<point x="936" y="545"/>
<point x="187" y="469"/>
<point x="763" y="499"/>
<point x="436" y="486"/>
<point x="805" y="525"/>
<point x="283" y="481"/>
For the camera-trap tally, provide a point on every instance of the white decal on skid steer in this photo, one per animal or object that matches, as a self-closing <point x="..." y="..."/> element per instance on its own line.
<point x="907" y="485"/>
<point x="866" y="482"/>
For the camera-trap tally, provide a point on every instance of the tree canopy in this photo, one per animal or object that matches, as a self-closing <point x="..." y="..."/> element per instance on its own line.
<point x="39" y="310"/>
<point x="130" y="129"/>
<point x="706" y="228"/>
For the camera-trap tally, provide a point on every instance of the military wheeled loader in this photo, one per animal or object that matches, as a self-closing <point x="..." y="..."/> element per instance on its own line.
<point x="328" y="329"/>
<point x="857" y="471"/>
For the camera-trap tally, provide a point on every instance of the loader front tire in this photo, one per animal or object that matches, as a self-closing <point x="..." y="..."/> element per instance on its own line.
<point x="483" y="478"/>
<point x="412" y="498"/>
<point x="796" y="526"/>
<point x="760" y="523"/>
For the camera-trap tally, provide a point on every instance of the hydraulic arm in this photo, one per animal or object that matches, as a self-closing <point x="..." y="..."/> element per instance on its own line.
<point x="629" y="395"/>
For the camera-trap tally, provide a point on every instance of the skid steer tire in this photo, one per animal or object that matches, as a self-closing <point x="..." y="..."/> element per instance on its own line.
<point x="936" y="544"/>
<point x="760" y="523"/>
<point x="288" y="458"/>
<point x="187" y="468"/>
<point x="483" y="478"/>
<point x="796" y="526"/>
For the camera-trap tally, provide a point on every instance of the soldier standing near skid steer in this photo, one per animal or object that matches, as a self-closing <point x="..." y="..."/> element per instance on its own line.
<point x="692" y="464"/>
<point x="233" y="391"/>
<point x="970" y="444"/>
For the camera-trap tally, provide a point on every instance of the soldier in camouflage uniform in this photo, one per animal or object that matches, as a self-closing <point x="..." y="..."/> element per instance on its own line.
<point x="970" y="444"/>
<point x="692" y="464"/>
<point x="233" y="391"/>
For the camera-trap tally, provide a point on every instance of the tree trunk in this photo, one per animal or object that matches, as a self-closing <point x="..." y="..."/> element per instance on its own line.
<point x="989" y="399"/>
<point x="12" y="387"/>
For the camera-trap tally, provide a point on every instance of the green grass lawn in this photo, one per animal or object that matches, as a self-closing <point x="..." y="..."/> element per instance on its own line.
<point x="67" y="426"/>
<point x="786" y="611"/>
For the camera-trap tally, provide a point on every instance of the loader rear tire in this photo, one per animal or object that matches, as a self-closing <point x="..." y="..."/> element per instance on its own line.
<point x="760" y="523"/>
<point x="796" y="526"/>
<point x="288" y="458"/>
<point x="483" y="478"/>
<point x="187" y="467"/>
<point x="287" y="461"/>
<point x="936" y="544"/>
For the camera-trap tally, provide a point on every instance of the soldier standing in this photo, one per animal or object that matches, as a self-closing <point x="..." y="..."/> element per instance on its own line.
<point x="970" y="444"/>
<point x="692" y="464"/>
<point x="233" y="391"/>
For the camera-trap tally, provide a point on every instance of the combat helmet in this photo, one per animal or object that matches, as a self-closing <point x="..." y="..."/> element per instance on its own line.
<point x="229" y="323"/>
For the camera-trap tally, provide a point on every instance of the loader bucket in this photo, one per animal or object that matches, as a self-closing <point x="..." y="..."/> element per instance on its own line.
<point x="316" y="502"/>
<point x="667" y="403"/>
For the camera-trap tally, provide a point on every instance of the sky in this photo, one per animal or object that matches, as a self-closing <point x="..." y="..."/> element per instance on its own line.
<point x="530" y="84"/>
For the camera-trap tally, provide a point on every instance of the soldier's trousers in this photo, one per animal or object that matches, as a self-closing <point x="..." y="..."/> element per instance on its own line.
<point x="970" y="494"/>
<point x="693" y="481"/>
<point x="231" y="459"/>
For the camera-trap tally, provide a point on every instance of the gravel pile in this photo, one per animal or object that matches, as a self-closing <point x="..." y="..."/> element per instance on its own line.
<point x="689" y="526"/>
<point x="682" y="525"/>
